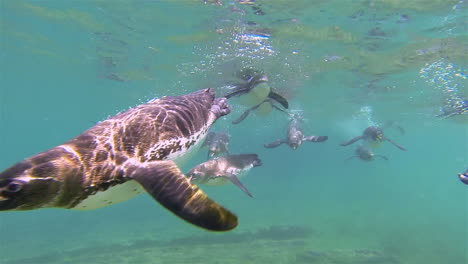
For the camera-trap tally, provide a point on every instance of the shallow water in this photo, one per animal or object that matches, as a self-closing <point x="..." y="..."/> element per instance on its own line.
<point x="344" y="65"/>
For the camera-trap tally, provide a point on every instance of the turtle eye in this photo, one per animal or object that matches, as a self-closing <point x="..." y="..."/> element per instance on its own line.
<point x="13" y="187"/>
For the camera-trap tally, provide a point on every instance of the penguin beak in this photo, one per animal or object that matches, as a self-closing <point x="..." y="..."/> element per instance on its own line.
<point x="263" y="78"/>
<point x="463" y="178"/>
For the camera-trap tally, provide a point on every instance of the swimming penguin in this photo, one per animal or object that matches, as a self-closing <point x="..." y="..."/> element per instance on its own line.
<point x="454" y="108"/>
<point x="119" y="157"/>
<point x="463" y="177"/>
<point x="222" y="170"/>
<point x="295" y="137"/>
<point x="373" y="135"/>
<point x="256" y="93"/>
<point x="364" y="153"/>
<point x="217" y="143"/>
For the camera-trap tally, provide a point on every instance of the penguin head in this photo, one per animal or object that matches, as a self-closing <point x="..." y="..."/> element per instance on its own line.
<point x="463" y="177"/>
<point x="295" y="140"/>
<point x="374" y="134"/>
<point x="364" y="153"/>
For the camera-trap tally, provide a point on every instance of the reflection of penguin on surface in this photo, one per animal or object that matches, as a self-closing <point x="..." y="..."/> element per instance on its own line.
<point x="256" y="93"/>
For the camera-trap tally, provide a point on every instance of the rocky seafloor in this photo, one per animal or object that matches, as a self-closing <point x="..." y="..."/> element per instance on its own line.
<point x="273" y="245"/>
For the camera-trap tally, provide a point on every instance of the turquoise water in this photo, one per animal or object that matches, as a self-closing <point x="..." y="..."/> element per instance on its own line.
<point x="345" y="65"/>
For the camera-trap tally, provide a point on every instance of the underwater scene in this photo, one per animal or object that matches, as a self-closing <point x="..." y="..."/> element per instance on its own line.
<point x="317" y="131"/>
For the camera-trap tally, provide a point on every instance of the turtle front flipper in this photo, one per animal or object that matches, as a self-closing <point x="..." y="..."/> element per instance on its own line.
<point x="395" y="144"/>
<point x="316" y="138"/>
<point x="275" y="144"/>
<point x="351" y="141"/>
<point x="279" y="98"/>
<point x="167" y="184"/>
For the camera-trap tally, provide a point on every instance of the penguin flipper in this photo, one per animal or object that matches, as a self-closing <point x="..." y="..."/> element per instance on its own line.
<point x="238" y="89"/>
<point x="275" y="144"/>
<point x="316" y="138"/>
<point x="246" y="113"/>
<point x="279" y="98"/>
<point x="395" y="144"/>
<point x="242" y="117"/>
<point x="233" y="178"/>
<point x="225" y="150"/>
<point x="351" y="141"/>
<point x="381" y="156"/>
<point x="164" y="181"/>
<point x="279" y="109"/>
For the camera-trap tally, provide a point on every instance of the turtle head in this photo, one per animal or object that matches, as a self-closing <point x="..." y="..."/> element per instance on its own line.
<point x="39" y="181"/>
<point x="22" y="189"/>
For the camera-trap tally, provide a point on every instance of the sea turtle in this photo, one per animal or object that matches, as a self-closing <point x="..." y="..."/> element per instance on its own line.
<point x="110" y="162"/>
<point x="295" y="136"/>
<point x="366" y="154"/>
<point x="463" y="177"/>
<point x="373" y="135"/>
<point x="223" y="169"/>
<point x="256" y="93"/>
<point x="216" y="143"/>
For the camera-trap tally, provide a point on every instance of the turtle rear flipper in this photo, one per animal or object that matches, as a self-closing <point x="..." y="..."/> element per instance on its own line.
<point x="279" y="98"/>
<point x="167" y="184"/>
<point x="351" y="141"/>
<point x="395" y="144"/>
